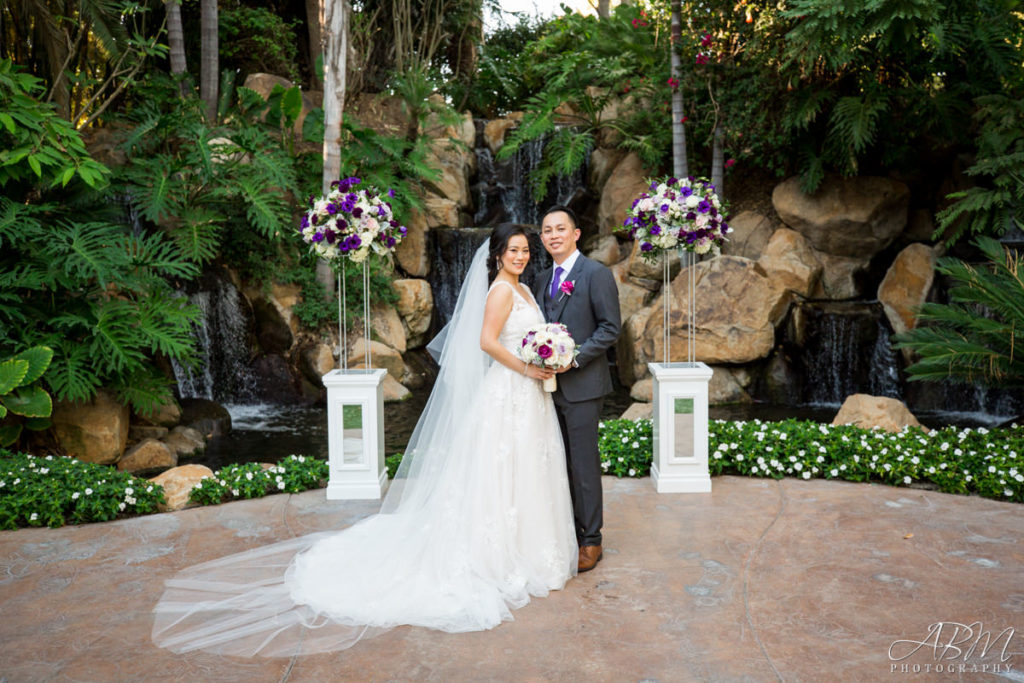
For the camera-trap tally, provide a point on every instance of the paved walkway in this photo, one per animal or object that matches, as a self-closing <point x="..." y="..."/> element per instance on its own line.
<point x="759" y="580"/>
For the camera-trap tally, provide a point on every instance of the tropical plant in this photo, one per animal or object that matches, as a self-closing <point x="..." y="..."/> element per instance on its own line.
<point x="996" y="204"/>
<point x="873" y="82"/>
<point x="193" y="178"/>
<point x="70" y="278"/>
<point x="601" y="77"/>
<point x="88" y="52"/>
<point x="21" y="394"/>
<point x="976" y="337"/>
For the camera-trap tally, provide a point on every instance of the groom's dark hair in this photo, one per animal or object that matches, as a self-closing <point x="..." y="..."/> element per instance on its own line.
<point x="564" y="209"/>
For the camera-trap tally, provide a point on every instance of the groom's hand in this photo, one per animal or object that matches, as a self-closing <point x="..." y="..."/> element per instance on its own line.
<point x="567" y="366"/>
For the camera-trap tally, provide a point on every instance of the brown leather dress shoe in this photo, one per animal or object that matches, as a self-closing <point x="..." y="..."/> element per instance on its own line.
<point x="590" y="555"/>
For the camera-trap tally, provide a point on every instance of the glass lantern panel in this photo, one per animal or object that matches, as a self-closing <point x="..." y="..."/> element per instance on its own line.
<point x="352" y="433"/>
<point x="683" y="424"/>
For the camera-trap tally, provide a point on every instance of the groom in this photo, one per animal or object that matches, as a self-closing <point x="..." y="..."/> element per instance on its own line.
<point x="581" y="294"/>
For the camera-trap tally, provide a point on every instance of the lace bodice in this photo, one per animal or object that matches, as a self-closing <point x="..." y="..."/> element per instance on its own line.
<point x="525" y="314"/>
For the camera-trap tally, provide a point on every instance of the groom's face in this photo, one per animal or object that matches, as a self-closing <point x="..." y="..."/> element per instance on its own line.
<point x="559" y="235"/>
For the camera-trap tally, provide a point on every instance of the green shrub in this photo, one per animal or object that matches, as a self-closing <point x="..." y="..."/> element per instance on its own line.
<point x="56" y="490"/>
<point x="250" y="480"/>
<point x="984" y="462"/>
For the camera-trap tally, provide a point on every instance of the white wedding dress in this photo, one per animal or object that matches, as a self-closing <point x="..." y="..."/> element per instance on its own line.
<point x="478" y="521"/>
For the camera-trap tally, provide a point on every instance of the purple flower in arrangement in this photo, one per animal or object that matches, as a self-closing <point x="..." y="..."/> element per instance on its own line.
<point x="391" y="193"/>
<point x="655" y="230"/>
<point x="342" y="223"/>
<point x="353" y="242"/>
<point x="347" y="206"/>
<point x="381" y="211"/>
<point x="544" y="351"/>
<point x="353" y="181"/>
<point x="357" y="212"/>
<point x="635" y="202"/>
<point x="646" y="246"/>
<point x="315" y="219"/>
<point x="335" y="184"/>
<point x="332" y="209"/>
<point x="685" y="191"/>
<point x="304" y="222"/>
<point x="691" y="215"/>
<point x="351" y="197"/>
<point x="672" y="181"/>
<point x="664" y="208"/>
<point x="391" y="242"/>
<point x="393" y="223"/>
<point x="713" y="211"/>
<point x="318" y="237"/>
<point x="329" y="236"/>
<point x="704" y="206"/>
<point x="402" y="230"/>
<point x="311" y="200"/>
<point x="654" y="187"/>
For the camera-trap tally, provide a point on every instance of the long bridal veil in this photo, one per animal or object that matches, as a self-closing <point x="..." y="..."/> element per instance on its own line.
<point x="406" y="565"/>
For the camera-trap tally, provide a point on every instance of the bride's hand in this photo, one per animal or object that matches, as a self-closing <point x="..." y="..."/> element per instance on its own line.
<point x="537" y="372"/>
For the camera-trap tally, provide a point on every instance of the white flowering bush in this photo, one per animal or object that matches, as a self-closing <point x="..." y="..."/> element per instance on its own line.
<point x="252" y="480"/>
<point x="56" y="490"/>
<point x="626" y="447"/>
<point x="980" y="461"/>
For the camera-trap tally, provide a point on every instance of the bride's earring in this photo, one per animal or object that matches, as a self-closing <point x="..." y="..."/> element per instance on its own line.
<point x="498" y="263"/>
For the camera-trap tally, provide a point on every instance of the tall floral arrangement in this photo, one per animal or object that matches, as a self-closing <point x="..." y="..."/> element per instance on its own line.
<point x="684" y="213"/>
<point x="351" y="223"/>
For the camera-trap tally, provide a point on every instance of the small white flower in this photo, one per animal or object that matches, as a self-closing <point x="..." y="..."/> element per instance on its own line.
<point x="632" y="472"/>
<point x="280" y="485"/>
<point x="88" y="492"/>
<point x="806" y="475"/>
<point x="834" y="472"/>
<point x="74" y="496"/>
<point x="121" y="506"/>
<point x="906" y="480"/>
<point x="33" y="517"/>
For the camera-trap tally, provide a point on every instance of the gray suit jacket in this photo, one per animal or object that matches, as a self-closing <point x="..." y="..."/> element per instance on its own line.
<point x="592" y="315"/>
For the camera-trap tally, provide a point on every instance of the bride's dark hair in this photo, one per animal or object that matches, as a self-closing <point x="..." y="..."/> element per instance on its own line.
<point x="499" y="243"/>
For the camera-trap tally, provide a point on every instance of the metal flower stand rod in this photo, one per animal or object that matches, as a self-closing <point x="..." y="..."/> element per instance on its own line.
<point x="680" y="401"/>
<point x="355" y="415"/>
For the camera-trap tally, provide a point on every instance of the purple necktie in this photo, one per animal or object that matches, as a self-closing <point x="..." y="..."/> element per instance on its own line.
<point x="556" y="280"/>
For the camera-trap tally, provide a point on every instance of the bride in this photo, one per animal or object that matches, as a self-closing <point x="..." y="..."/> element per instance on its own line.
<point x="477" y="520"/>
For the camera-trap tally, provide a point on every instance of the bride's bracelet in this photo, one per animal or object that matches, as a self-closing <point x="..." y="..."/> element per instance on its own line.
<point x="526" y="366"/>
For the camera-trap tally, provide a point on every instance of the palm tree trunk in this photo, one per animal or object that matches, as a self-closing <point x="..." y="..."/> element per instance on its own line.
<point x="314" y="22"/>
<point x="208" y="76"/>
<point x="680" y="166"/>
<point x="603" y="8"/>
<point x="717" y="161"/>
<point x="335" y="60"/>
<point x="176" y="40"/>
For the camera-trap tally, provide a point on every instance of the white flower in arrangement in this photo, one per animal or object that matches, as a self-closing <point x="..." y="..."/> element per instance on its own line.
<point x="351" y="223"/>
<point x="677" y="212"/>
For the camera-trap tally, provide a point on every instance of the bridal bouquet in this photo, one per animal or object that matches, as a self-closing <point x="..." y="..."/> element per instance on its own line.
<point x="683" y="213"/>
<point x="550" y="346"/>
<point x="347" y="222"/>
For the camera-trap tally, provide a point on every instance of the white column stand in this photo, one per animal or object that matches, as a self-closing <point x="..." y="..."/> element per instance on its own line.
<point x="681" y="427"/>
<point x="355" y="434"/>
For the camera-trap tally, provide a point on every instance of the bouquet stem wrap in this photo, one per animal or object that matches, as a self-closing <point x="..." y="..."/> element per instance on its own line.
<point x="550" y="384"/>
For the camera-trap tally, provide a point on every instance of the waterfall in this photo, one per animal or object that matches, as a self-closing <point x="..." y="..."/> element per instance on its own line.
<point x="847" y="350"/>
<point x="451" y="253"/>
<point x="502" y="192"/>
<point x="222" y="340"/>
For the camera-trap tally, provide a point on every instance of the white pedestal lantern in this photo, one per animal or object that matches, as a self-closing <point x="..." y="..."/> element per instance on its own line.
<point x="680" y="427"/>
<point x="355" y="434"/>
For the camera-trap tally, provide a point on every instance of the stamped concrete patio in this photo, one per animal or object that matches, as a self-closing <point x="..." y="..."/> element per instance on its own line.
<point x="759" y="580"/>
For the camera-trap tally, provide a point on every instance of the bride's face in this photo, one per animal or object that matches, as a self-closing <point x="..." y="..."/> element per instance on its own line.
<point x="516" y="255"/>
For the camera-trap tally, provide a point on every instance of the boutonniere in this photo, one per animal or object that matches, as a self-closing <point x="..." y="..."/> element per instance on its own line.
<point x="566" y="288"/>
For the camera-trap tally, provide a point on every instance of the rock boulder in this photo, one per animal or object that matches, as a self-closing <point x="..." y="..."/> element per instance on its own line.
<point x="846" y="217"/>
<point x="387" y="326"/>
<point x="415" y="307"/>
<point x="790" y="263"/>
<point x="875" y="412"/>
<point x="92" y="431"/>
<point x="625" y="183"/>
<point x="906" y="286"/>
<point x="185" y="442"/>
<point x="749" y="233"/>
<point x="178" y="483"/>
<point x="209" y="418"/>
<point x="381" y="356"/>
<point x="148" y="454"/>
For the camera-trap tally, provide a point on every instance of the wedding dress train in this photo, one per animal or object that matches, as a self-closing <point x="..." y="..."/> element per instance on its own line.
<point x="475" y="524"/>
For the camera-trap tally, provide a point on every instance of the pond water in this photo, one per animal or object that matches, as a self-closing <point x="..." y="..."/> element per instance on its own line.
<point x="267" y="433"/>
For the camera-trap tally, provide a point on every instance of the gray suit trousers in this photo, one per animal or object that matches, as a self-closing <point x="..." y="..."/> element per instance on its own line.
<point x="583" y="462"/>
